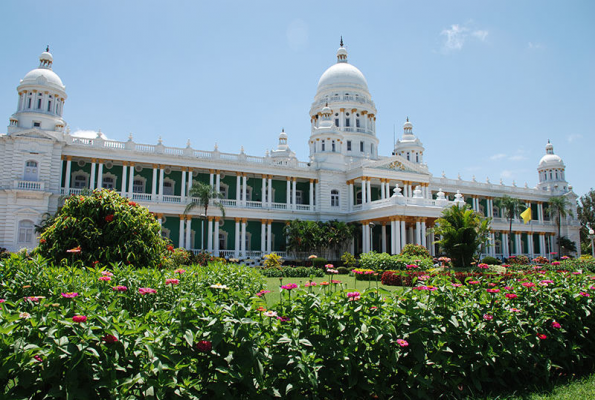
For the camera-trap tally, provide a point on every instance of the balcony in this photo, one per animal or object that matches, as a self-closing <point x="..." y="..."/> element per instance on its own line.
<point x="29" y="185"/>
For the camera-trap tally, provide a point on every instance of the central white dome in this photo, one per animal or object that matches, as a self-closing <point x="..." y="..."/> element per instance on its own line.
<point x="344" y="75"/>
<point x="33" y="78"/>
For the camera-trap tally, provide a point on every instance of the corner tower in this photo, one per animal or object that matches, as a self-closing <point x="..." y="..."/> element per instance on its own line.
<point x="551" y="171"/>
<point x="41" y="99"/>
<point x="343" y="115"/>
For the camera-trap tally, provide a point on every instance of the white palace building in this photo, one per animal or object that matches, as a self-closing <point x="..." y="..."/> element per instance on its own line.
<point x="394" y="199"/>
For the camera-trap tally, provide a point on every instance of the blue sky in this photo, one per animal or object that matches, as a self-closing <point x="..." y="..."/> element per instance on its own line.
<point x="485" y="83"/>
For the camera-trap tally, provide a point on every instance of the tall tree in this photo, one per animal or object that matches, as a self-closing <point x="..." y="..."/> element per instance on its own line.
<point x="203" y="195"/>
<point x="586" y="214"/>
<point x="512" y="209"/>
<point x="462" y="233"/>
<point x="559" y="207"/>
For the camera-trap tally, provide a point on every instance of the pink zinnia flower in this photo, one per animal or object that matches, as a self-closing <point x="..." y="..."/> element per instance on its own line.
<point x="289" y="286"/>
<point x="335" y="282"/>
<point x="402" y="343"/>
<point x="180" y="271"/>
<point x="528" y="284"/>
<point x="473" y="282"/>
<point x="204" y="346"/>
<point x="262" y="293"/>
<point x="508" y="287"/>
<point x="106" y="273"/>
<point x="284" y="319"/>
<point x="325" y="283"/>
<point x="38" y="358"/>
<point x="270" y="314"/>
<point x="146" y="290"/>
<point x="308" y="284"/>
<point x="120" y="288"/>
<point x="2" y="300"/>
<point x="111" y="339"/>
<point x="483" y="266"/>
<point x="541" y="336"/>
<point x="79" y="318"/>
<point x="105" y="278"/>
<point x="35" y="299"/>
<point x="515" y="310"/>
<point x="491" y="284"/>
<point x="492" y="290"/>
<point x="69" y="295"/>
<point x="576" y="273"/>
<point x="457" y="285"/>
<point x="584" y="294"/>
<point x="488" y="317"/>
<point x="329" y="266"/>
<point x="172" y="281"/>
<point x="511" y="296"/>
<point x="556" y="325"/>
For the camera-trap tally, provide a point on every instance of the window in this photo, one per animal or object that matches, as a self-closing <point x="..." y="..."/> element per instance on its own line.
<point x="50" y="105"/>
<point x="31" y="171"/>
<point x="29" y="103"/>
<point x="224" y="190"/>
<point x="222" y="240"/>
<point x="416" y="157"/>
<point x="372" y="148"/>
<point x="361" y="147"/>
<point x="349" y="145"/>
<point x="299" y="197"/>
<point x="408" y="157"/>
<point x="334" y="198"/>
<point x="498" y="247"/>
<point x="36" y="124"/>
<point x="138" y="186"/>
<point x="347" y="122"/>
<point x="333" y="147"/>
<point x="337" y="122"/>
<point x="358" y="197"/>
<point x="323" y="146"/>
<point x="108" y="183"/>
<point x="168" y="187"/>
<point x="357" y="123"/>
<point x="39" y="103"/>
<point x="248" y="193"/>
<point x="26" y="229"/>
<point x="80" y="181"/>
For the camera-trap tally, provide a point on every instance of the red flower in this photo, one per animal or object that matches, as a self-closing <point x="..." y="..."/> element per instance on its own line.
<point x="542" y="336"/>
<point x="111" y="339"/>
<point x="556" y="325"/>
<point x="75" y="250"/>
<point x="488" y="317"/>
<point x="79" y="318"/>
<point x="133" y="204"/>
<point x="38" y="358"/>
<point x="146" y="290"/>
<point x="172" y="281"/>
<point x="105" y="278"/>
<point x="120" y="288"/>
<point x="511" y="296"/>
<point x="109" y="218"/>
<point x="204" y="346"/>
<point x="170" y="248"/>
<point x="42" y="241"/>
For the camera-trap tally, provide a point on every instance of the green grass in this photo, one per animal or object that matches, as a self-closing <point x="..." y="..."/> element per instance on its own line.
<point x="348" y="284"/>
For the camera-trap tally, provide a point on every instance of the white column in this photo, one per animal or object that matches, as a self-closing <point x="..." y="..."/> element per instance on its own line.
<point x="154" y="184"/>
<point x="269" y="237"/>
<point x="100" y="175"/>
<point x="263" y="236"/>
<point x="244" y="189"/>
<point x="542" y="249"/>
<point x="238" y="188"/>
<point x="183" y="186"/>
<point x="243" y="239"/>
<point x="505" y="253"/>
<point x="540" y="213"/>
<point x="218" y="181"/>
<point x="92" y="181"/>
<point x="350" y="195"/>
<point x="210" y="235"/>
<point x="382" y="189"/>
<point x="181" y="233"/>
<point x="67" y="178"/>
<point x="384" y="238"/>
<point x="530" y="245"/>
<point x="188" y="232"/>
<point x="369" y="190"/>
<point x="393" y="246"/>
<point x="161" y="178"/>
<point x="311" y="199"/>
<point x="237" y="239"/>
<point x="131" y="180"/>
<point x="160" y="221"/>
<point x="423" y="234"/>
<point x="271" y="191"/>
<point x="264" y="191"/>
<point x="411" y="235"/>
<point x="403" y="235"/>
<point x="124" y="174"/>
<point x="294" y="193"/>
<point x="211" y="178"/>
<point x="216" y="237"/>
<point x="365" y="228"/>
<point x="190" y="180"/>
<point x="363" y="191"/>
<point x="417" y="232"/>
<point x="431" y="244"/>
<point x="288" y="199"/>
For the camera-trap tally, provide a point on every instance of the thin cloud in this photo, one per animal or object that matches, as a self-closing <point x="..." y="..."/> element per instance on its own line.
<point x="574" y="137"/>
<point x="457" y="35"/>
<point x="518" y="157"/>
<point x="535" y="46"/>
<point x="499" y="156"/>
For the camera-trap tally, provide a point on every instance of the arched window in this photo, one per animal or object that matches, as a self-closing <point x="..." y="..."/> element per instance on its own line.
<point x="168" y="187"/>
<point x="498" y="247"/>
<point x="334" y="198"/>
<point x="138" y="185"/>
<point x="222" y="240"/>
<point x="109" y="181"/>
<point x="26" y="229"/>
<point x="358" y="197"/>
<point x="224" y="190"/>
<point x="80" y="180"/>
<point x="31" y="171"/>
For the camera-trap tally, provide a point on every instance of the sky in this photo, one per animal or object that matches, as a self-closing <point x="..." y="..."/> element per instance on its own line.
<point x="485" y="83"/>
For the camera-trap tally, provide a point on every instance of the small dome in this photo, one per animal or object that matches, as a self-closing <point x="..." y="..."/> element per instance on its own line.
<point x="408" y="125"/>
<point x="551" y="160"/>
<point x="46" y="56"/>
<point x="342" y="75"/>
<point x="283" y="135"/>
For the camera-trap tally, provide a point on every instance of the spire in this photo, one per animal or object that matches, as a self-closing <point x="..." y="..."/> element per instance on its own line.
<point x="341" y="53"/>
<point x="341" y="44"/>
<point x="47" y="48"/>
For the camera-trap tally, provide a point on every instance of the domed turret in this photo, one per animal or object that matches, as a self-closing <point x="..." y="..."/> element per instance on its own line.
<point x="343" y="115"/>
<point x="283" y="151"/>
<point x="41" y="99"/>
<point x="409" y="146"/>
<point x="551" y="171"/>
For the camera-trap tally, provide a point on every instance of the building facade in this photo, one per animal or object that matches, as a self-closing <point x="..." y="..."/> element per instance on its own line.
<point x="395" y="200"/>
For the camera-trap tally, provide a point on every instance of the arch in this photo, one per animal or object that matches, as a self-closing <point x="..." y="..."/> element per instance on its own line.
<point x="139" y="184"/>
<point x="109" y="181"/>
<point x="165" y="232"/>
<point x="169" y="186"/>
<point x="80" y="180"/>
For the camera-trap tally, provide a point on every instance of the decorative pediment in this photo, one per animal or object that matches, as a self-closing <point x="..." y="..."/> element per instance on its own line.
<point x="34" y="134"/>
<point x="398" y="163"/>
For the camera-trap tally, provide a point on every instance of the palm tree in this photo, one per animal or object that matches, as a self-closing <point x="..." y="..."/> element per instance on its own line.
<point x="512" y="209"/>
<point x="559" y="207"/>
<point x="462" y="233"/>
<point x="203" y="195"/>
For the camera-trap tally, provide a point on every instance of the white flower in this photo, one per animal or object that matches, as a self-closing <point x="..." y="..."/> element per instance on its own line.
<point x="25" y="315"/>
<point x="219" y="286"/>
<point x="270" y="314"/>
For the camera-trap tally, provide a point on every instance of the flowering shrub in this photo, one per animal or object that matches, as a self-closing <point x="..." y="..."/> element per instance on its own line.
<point x="291" y="272"/>
<point x="383" y="261"/>
<point x="214" y="335"/>
<point x="103" y="227"/>
<point x="415" y="251"/>
<point x="272" y="260"/>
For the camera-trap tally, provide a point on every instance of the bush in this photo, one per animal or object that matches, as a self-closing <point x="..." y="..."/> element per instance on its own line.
<point x="519" y="260"/>
<point x="319" y="262"/>
<point x="348" y="260"/>
<point x="342" y="270"/>
<point x="272" y="260"/>
<point x="103" y="227"/>
<point x="415" y="251"/>
<point x="491" y="260"/>
<point x="383" y="262"/>
<point x="291" y="272"/>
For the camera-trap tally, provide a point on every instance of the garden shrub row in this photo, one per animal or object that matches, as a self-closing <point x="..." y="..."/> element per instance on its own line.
<point x="213" y="334"/>
<point x="383" y="262"/>
<point x="411" y="278"/>
<point x="291" y="272"/>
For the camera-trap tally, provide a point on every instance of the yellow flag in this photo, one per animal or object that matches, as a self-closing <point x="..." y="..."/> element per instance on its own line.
<point x="526" y="215"/>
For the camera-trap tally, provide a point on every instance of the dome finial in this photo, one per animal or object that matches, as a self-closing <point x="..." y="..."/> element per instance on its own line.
<point x="341" y="41"/>
<point x="47" y="48"/>
<point x="407" y="118"/>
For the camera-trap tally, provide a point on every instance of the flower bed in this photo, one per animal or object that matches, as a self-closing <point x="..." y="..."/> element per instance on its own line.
<point x="209" y="332"/>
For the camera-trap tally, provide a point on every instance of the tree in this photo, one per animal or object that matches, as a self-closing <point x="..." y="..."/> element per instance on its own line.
<point x="203" y="195"/>
<point x="559" y="207"/>
<point x="462" y="233"/>
<point x="512" y="209"/>
<point x="586" y="215"/>
<point x="337" y="234"/>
